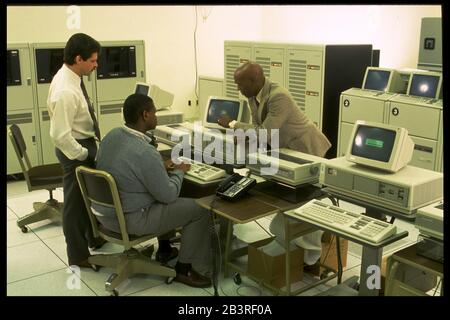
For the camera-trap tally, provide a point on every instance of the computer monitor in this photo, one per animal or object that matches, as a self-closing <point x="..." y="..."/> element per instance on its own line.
<point x="383" y="79"/>
<point x="217" y="106"/>
<point x="48" y="62"/>
<point x="380" y="146"/>
<point x="161" y="98"/>
<point x="13" y="77"/>
<point x="425" y="84"/>
<point x="117" y="62"/>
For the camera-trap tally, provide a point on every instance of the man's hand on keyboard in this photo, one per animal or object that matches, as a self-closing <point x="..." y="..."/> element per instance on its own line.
<point x="185" y="167"/>
<point x="169" y="165"/>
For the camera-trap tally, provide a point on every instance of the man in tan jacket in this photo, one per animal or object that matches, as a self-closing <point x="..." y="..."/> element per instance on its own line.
<point x="273" y="107"/>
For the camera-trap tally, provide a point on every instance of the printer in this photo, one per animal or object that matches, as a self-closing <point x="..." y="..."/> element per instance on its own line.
<point x="173" y="134"/>
<point x="430" y="222"/>
<point x="287" y="166"/>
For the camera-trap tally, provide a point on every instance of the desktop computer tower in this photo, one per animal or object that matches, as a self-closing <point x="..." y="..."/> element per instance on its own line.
<point x="20" y="102"/>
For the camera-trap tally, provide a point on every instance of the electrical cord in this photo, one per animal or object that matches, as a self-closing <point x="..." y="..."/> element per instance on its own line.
<point x="248" y="286"/>
<point x="195" y="53"/>
<point x="215" y="249"/>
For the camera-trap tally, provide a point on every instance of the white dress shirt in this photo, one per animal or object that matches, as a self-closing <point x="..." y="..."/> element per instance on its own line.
<point x="69" y="114"/>
<point x="138" y="134"/>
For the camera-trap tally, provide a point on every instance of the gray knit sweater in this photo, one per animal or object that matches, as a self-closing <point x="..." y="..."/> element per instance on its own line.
<point x="138" y="170"/>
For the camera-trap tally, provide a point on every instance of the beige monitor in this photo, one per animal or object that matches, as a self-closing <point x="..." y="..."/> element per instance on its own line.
<point x="161" y="98"/>
<point x="425" y="84"/>
<point x="383" y="79"/>
<point x="380" y="146"/>
<point x="217" y="106"/>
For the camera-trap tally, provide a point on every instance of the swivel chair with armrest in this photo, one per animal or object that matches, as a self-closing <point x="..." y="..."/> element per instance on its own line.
<point x="99" y="187"/>
<point x="49" y="176"/>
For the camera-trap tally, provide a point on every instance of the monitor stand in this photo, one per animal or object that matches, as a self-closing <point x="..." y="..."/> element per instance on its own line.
<point x="297" y="194"/>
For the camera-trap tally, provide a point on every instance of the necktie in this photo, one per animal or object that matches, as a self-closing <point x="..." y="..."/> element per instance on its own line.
<point x="91" y="110"/>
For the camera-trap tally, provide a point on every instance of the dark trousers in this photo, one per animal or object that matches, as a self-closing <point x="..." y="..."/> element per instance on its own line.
<point x="76" y="224"/>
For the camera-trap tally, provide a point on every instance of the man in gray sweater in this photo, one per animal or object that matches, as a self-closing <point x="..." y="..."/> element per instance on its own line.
<point x="149" y="190"/>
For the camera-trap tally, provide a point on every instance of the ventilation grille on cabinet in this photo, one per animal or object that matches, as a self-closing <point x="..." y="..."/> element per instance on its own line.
<point x="231" y="64"/>
<point x="297" y="81"/>
<point x="265" y="64"/>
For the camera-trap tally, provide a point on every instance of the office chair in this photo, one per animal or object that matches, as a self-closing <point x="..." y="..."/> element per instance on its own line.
<point x="49" y="176"/>
<point x="99" y="187"/>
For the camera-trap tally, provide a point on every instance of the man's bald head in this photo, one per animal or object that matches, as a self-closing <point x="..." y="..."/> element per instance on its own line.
<point x="249" y="78"/>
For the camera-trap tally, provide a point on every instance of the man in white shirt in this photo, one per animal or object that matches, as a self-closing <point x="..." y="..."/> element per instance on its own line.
<point x="73" y="130"/>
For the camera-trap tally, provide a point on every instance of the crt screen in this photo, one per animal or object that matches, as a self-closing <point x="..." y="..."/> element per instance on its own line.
<point x="117" y="62"/>
<point x="373" y="143"/>
<point x="48" y="62"/>
<point x="377" y="80"/>
<point x="12" y="68"/>
<point x="222" y="107"/>
<point x="141" y="89"/>
<point x="424" y="85"/>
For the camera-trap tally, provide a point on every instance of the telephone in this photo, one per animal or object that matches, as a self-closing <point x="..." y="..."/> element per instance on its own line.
<point x="234" y="187"/>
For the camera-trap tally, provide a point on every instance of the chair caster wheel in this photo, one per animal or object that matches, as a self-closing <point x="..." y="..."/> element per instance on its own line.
<point x="169" y="280"/>
<point x="109" y="282"/>
<point x="114" y="293"/>
<point x="237" y="278"/>
<point x="95" y="267"/>
<point x="24" y="229"/>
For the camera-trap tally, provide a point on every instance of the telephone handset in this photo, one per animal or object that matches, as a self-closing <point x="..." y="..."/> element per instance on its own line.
<point x="234" y="187"/>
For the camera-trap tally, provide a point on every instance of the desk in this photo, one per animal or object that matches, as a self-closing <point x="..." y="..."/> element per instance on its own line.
<point x="256" y="205"/>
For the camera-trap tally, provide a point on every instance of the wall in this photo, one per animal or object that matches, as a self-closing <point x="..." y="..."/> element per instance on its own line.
<point x="395" y="30"/>
<point x="168" y="32"/>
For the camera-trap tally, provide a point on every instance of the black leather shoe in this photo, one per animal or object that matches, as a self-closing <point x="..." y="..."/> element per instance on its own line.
<point x="165" y="257"/>
<point x="97" y="243"/>
<point x="85" y="264"/>
<point x="193" y="279"/>
<point x="313" y="269"/>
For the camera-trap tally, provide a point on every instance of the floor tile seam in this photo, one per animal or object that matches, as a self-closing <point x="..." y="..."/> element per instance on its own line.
<point x="37" y="275"/>
<point x="22" y="244"/>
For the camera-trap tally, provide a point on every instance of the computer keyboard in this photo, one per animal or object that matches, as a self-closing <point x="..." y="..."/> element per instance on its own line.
<point x="203" y="171"/>
<point x="356" y="224"/>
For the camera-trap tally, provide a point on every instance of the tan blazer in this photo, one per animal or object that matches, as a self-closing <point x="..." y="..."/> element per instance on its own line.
<point x="278" y="110"/>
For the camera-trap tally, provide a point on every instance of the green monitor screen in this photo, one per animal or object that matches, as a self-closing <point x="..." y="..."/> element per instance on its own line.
<point x="373" y="143"/>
